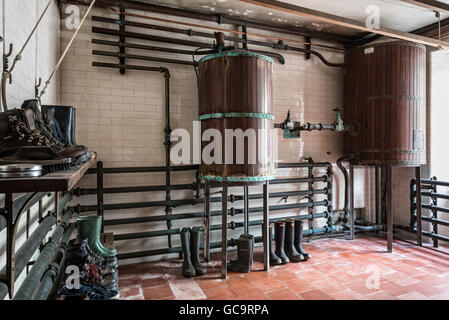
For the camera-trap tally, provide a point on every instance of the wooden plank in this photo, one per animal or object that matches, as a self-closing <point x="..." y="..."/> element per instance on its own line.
<point x="58" y="181"/>
<point x="345" y="22"/>
<point x="430" y="4"/>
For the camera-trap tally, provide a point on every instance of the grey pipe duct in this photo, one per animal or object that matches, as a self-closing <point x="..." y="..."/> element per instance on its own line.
<point x="30" y="283"/>
<point x="3" y="290"/>
<point x="2" y="222"/>
<point x="26" y="251"/>
<point x="54" y="269"/>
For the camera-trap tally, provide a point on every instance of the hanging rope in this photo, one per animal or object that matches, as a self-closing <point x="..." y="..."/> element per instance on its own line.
<point x="58" y="64"/>
<point x="7" y="74"/>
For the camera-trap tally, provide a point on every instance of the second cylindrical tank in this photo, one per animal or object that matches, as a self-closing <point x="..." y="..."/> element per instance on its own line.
<point x="385" y="103"/>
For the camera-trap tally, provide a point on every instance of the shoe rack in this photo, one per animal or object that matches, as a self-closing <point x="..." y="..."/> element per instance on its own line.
<point x="20" y="195"/>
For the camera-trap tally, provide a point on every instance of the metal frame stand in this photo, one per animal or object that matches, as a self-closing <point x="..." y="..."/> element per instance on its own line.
<point x="224" y="231"/>
<point x="351" y="203"/>
<point x="389" y="213"/>
<point x="418" y="207"/>
<point x="206" y="222"/>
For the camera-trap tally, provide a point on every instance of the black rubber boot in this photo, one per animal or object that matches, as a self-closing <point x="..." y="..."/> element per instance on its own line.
<point x="195" y="254"/>
<point x="299" y="226"/>
<point x="289" y="248"/>
<point x="245" y="248"/>
<point x="187" y="267"/>
<point x="274" y="259"/>
<point x="251" y="254"/>
<point x="279" y="234"/>
<point x="62" y="121"/>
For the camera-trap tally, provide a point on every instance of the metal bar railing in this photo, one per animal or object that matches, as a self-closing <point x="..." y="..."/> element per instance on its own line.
<point x="427" y="188"/>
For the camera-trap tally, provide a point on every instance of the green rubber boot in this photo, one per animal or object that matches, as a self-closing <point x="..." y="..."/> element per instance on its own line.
<point x="89" y="227"/>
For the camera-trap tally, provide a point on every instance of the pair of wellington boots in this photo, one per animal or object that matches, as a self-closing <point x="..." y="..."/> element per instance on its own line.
<point x="89" y="227"/>
<point x="190" y="241"/>
<point x="245" y="253"/>
<point x="288" y="242"/>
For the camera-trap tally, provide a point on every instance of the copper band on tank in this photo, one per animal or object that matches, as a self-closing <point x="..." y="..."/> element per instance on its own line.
<point x="388" y="97"/>
<point x="389" y="151"/>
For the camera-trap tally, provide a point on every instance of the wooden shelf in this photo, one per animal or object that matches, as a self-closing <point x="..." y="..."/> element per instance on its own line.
<point x="58" y="181"/>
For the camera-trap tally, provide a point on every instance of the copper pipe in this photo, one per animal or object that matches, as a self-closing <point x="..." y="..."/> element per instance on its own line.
<point x="223" y="29"/>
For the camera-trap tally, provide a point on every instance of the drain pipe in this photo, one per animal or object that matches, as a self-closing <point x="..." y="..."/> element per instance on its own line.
<point x="54" y="270"/>
<point x="30" y="283"/>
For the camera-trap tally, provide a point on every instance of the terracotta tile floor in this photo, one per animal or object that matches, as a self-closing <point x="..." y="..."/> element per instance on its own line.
<point x="339" y="270"/>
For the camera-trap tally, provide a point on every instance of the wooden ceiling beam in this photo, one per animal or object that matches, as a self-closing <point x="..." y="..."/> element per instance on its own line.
<point x="345" y="22"/>
<point x="430" y="4"/>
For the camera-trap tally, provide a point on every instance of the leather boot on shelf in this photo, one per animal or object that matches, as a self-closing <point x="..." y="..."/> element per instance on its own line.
<point x="245" y="249"/>
<point x="89" y="227"/>
<point x="78" y="154"/>
<point x="195" y="251"/>
<point x="188" y="270"/>
<point x="289" y="248"/>
<point x="299" y="226"/>
<point x="21" y="141"/>
<point x="274" y="259"/>
<point x="279" y="235"/>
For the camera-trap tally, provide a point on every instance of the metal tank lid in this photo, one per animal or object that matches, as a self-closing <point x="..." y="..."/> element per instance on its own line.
<point x="234" y="54"/>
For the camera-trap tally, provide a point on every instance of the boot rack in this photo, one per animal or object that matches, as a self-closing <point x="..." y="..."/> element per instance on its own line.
<point x="205" y="213"/>
<point x="40" y="279"/>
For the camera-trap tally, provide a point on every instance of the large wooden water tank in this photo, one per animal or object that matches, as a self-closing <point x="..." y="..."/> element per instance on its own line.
<point x="235" y="92"/>
<point x="385" y="99"/>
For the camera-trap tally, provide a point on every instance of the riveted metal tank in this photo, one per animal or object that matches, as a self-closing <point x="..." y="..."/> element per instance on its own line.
<point x="385" y="101"/>
<point x="235" y="92"/>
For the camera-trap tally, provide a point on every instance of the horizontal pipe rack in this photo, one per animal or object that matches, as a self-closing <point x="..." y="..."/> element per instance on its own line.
<point x="196" y="200"/>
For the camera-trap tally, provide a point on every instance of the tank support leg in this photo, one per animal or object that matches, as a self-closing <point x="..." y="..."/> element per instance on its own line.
<point x="389" y="171"/>
<point x="246" y="208"/>
<point x="206" y="222"/>
<point x="266" y="213"/>
<point x="224" y="232"/>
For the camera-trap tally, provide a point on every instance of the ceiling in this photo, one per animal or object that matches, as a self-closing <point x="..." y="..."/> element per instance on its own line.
<point x="394" y="14"/>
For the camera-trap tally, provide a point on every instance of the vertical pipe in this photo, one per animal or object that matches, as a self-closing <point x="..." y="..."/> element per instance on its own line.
<point x="418" y="207"/>
<point x="224" y="232"/>
<point x="266" y="221"/>
<point x="377" y="192"/>
<point x="10" y="244"/>
<point x="351" y="203"/>
<point x="100" y="198"/>
<point x="246" y="208"/>
<point x="389" y="171"/>
<point x="310" y="197"/>
<point x="435" y="214"/>
<point x="56" y="205"/>
<point x="245" y="37"/>
<point x="28" y="224"/>
<point x="40" y="211"/>
<point x="167" y="143"/>
<point x="330" y="206"/>
<point x="206" y="222"/>
<point x="122" y="39"/>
